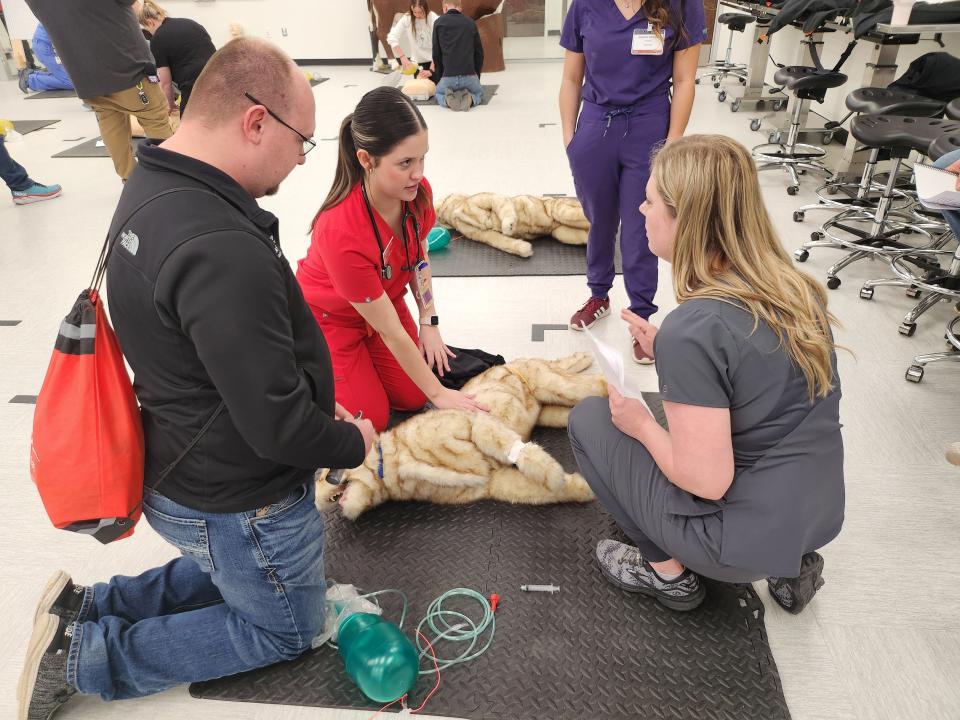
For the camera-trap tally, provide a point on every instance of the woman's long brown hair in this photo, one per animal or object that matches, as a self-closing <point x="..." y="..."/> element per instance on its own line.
<point x="413" y="18"/>
<point x="383" y="118"/>
<point x="658" y="11"/>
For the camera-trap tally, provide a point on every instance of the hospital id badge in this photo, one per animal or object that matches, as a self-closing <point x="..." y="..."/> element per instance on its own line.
<point x="423" y="289"/>
<point x="646" y="42"/>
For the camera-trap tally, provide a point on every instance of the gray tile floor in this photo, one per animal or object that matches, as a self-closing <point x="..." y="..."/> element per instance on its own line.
<point x="881" y="640"/>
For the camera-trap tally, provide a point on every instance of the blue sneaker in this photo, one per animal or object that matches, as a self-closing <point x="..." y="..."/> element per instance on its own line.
<point x="36" y="193"/>
<point x="24" y="80"/>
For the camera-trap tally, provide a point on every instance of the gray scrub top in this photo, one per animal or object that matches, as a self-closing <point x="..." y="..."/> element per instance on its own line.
<point x="787" y="496"/>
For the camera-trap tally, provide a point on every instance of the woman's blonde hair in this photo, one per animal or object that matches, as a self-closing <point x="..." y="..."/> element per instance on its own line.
<point x="149" y="10"/>
<point x="726" y="248"/>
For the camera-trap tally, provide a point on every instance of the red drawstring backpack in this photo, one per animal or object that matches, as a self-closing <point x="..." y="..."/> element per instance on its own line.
<point x="86" y="456"/>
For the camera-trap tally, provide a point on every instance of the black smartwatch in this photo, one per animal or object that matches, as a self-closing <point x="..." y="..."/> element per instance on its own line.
<point x="432" y="320"/>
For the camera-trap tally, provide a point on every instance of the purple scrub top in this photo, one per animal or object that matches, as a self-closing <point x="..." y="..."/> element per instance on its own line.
<point x="613" y="77"/>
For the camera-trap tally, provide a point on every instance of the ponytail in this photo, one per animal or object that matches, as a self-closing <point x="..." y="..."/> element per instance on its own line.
<point x="384" y="117"/>
<point x="349" y="170"/>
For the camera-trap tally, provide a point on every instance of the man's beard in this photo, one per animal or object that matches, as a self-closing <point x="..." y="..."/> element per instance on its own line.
<point x="272" y="191"/>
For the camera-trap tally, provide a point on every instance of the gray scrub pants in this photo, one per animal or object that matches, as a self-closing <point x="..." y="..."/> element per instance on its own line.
<point x="633" y="489"/>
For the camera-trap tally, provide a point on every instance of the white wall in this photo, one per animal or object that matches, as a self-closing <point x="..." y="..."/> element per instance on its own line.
<point x="320" y="29"/>
<point x="20" y="20"/>
<point x="553" y="15"/>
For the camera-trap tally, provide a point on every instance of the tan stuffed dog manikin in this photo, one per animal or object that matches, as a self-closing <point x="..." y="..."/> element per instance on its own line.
<point x="453" y="457"/>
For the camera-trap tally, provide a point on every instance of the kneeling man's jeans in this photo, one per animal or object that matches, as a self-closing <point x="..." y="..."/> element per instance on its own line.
<point x="471" y="83"/>
<point x="247" y="591"/>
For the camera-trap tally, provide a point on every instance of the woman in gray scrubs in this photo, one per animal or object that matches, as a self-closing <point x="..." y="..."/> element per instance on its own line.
<point x="748" y="481"/>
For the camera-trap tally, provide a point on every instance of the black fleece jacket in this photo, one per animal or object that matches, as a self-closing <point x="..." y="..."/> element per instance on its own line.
<point x="456" y="46"/>
<point x="206" y="309"/>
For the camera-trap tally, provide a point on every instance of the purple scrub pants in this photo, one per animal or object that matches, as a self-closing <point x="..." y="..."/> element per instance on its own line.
<point x="610" y="160"/>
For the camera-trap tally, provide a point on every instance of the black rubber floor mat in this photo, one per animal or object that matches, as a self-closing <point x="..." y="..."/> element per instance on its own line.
<point x="488" y="92"/>
<point x="90" y="149"/>
<point x="468" y="258"/>
<point x="589" y="651"/>
<point x="28" y="126"/>
<point x="48" y="94"/>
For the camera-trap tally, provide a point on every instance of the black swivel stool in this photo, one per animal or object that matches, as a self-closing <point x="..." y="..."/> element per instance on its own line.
<point x="944" y="144"/>
<point x="877" y="236"/>
<point x="937" y="273"/>
<point x="953" y="109"/>
<point x="865" y="194"/>
<point x="720" y="70"/>
<point x="807" y="84"/>
<point x="946" y="284"/>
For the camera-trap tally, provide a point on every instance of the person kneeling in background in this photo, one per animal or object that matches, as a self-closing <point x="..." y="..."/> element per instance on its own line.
<point x="55" y="77"/>
<point x="415" y="30"/>
<point x="457" y="58"/>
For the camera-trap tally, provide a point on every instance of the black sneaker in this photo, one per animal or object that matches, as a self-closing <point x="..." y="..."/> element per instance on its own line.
<point x="43" y="682"/>
<point x="624" y="566"/>
<point x="794" y="594"/>
<point x="23" y="80"/>
<point x="61" y="598"/>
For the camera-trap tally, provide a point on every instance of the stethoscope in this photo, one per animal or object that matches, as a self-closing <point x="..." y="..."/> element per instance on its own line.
<point x="386" y="270"/>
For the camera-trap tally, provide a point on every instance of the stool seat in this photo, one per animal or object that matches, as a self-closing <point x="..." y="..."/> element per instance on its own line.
<point x="881" y="101"/>
<point x="808" y="82"/>
<point x="736" y="21"/>
<point x="946" y="143"/>
<point x="901" y="133"/>
<point x="953" y="109"/>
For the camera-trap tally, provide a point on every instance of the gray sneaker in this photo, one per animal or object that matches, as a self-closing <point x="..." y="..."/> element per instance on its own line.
<point x="624" y="566"/>
<point x="43" y="684"/>
<point x="453" y="100"/>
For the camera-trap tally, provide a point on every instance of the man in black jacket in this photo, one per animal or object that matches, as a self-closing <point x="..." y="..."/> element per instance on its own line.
<point x="457" y="58"/>
<point x="219" y="337"/>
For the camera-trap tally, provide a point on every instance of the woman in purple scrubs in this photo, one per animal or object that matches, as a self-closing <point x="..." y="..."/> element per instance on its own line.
<point x="622" y="57"/>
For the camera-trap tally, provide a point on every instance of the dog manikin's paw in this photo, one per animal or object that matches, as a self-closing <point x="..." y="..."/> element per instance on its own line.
<point x="355" y="501"/>
<point x="536" y="464"/>
<point x="576" y="488"/>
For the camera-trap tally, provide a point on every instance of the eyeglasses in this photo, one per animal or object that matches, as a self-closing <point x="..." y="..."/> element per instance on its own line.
<point x="308" y="144"/>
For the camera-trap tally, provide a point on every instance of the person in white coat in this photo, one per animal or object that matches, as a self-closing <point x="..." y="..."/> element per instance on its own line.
<point x="411" y="39"/>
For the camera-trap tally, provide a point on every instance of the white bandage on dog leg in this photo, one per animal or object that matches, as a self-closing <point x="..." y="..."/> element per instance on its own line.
<point x="515" y="451"/>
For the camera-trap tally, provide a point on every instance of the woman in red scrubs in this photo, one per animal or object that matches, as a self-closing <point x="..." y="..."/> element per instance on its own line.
<point x="368" y="246"/>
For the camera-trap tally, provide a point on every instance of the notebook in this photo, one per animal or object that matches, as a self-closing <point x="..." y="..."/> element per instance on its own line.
<point x="936" y="188"/>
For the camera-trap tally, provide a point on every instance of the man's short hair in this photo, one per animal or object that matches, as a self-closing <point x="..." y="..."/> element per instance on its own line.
<point x="454" y="3"/>
<point x="243" y="65"/>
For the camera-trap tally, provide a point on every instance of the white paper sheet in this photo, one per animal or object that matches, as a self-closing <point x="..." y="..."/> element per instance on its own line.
<point x="936" y="188"/>
<point x="610" y="361"/>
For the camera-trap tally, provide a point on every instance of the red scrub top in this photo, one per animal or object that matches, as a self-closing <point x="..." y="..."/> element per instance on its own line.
<point x="343" y="264"/>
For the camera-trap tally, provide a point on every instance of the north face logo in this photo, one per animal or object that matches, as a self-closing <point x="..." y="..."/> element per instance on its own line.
<point x="129" y="241"/>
